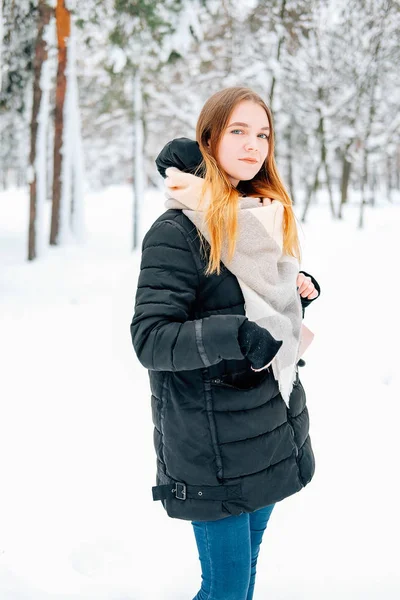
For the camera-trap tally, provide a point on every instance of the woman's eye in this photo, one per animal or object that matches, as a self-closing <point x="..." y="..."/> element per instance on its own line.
<point x="241" y="131"/>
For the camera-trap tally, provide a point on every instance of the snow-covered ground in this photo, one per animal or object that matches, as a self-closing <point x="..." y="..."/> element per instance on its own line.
<point x="77" y="519"/>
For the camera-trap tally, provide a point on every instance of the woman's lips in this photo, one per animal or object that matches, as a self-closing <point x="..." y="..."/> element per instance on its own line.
<point x="249" y="160"/>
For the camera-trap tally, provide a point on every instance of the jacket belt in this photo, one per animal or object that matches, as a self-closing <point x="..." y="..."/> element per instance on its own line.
<point x="182" y="491"/>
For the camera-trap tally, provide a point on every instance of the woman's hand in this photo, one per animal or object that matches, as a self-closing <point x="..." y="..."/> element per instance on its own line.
<point x="306" y="287"/>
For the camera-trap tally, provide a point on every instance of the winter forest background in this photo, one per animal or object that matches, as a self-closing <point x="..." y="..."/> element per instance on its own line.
<point x="90" y="92"/>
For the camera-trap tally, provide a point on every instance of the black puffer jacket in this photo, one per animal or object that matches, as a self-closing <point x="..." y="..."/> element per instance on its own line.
<point x="225" y="440"/>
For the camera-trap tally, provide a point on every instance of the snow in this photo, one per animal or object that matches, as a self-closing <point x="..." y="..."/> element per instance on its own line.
<point x="77" y="517"/>
<point x="187" y="23"/>
<point x="117" y="59"/>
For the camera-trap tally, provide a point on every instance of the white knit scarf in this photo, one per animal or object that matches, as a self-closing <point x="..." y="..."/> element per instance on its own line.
<point x="266" y="275"/>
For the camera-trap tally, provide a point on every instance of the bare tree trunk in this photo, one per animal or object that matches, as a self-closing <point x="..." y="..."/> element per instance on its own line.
<point x="63" y="31"/>
<point x="364" y="176"/>
<point x="45" y="12"/>
<point x="310" y="192"/>
<point x="344" y="184"/>
<point x="77" y="165"/>
<point x="327" y="170"/>
<point x="138" y="180"/>
<point x="1" y="38"/>
<point x="373" y="187"/>
<point x="388" y="179"/>
<point x="329" y="186"/>
<point x="278" y="54"/>
<point x="364" y="173"/>
<point x="321" y="131"/>
<point x="371" y="115"/>
<point x="230" y="38"/>
<point x="290" y="165"/>
<point x="323" y="162"/>
<point x="273" y="82"/>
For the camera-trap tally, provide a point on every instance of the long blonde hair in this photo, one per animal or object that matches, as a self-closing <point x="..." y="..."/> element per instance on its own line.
<point x="221" y="216"/>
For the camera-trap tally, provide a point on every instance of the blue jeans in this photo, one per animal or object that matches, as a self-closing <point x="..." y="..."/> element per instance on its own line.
<point x="228" y="551"/>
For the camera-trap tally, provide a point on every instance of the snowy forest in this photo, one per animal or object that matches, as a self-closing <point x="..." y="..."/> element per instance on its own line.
<point x="91" y="91"/>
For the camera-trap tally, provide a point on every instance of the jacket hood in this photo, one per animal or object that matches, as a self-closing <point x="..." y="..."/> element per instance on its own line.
<point x="182" y="153"/>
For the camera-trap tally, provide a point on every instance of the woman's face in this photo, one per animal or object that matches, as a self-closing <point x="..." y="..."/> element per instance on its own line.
<point x="245" y="137"/>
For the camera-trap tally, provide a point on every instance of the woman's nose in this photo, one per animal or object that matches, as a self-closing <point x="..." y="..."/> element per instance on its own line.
<point x="251" y="145"/>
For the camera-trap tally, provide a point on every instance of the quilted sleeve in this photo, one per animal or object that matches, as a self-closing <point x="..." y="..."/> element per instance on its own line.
<point x="162" y="336"/>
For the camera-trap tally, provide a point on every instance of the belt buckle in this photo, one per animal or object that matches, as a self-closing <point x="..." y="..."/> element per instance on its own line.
<point x="180" y="491"/>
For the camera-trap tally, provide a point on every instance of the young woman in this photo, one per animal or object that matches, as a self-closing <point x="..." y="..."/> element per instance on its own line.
<point x="217" y="323"/>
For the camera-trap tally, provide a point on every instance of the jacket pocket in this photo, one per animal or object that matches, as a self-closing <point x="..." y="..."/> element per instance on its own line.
<point x="243" y="390"/>
<point x="242" y="380"/>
